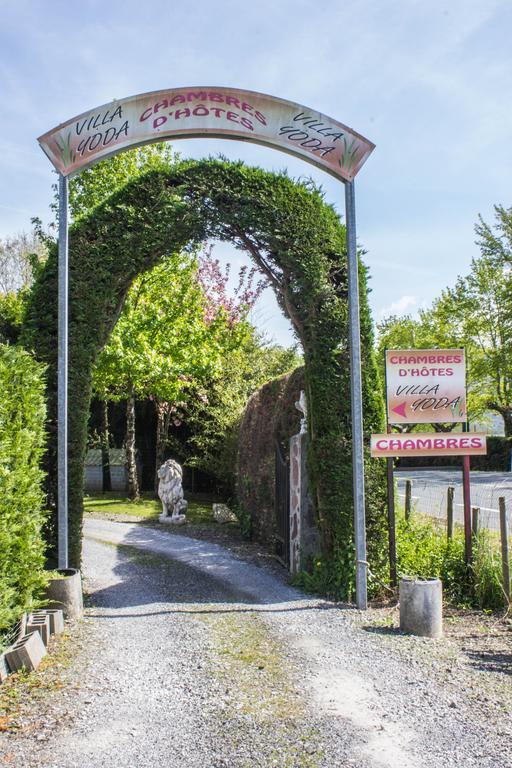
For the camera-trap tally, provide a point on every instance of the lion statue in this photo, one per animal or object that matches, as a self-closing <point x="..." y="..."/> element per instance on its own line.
<point x="170" y="491"/>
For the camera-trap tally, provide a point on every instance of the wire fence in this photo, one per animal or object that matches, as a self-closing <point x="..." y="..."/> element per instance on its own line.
<point x="10" y="636"/>
<point x="429" y="495"/>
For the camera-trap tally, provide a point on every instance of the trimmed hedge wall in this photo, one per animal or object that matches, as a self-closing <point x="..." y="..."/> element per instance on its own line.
<point x="270" y="417"/>
<point x="22" y="439"/>
<point x="298" y="241"/>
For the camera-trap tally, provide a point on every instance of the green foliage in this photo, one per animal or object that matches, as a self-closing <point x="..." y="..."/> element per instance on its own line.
<point x="297" y="241"/>
<point x="22" y="437"/>
<point x="476" y="313"/>
<point x="487" y="567"/>
<point x="12" y="312"/>
<point x="423" y="551"/>
<point x="215" y="419"/>
<point x="161" y="345"/>
<point x="92" y="186"/>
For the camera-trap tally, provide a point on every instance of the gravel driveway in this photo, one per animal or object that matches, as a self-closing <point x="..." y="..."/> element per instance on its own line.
<point x="195" y="658"/>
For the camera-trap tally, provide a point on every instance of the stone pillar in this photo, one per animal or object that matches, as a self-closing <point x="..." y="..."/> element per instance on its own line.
<point x="303" y="529"/>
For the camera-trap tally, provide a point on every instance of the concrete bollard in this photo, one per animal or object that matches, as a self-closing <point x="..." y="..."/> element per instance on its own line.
<point x="421" y="607"/>
<point x="66" y="593"/>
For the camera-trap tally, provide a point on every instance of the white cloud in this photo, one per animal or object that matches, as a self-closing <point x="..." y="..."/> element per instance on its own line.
<point x="400" y="306"/>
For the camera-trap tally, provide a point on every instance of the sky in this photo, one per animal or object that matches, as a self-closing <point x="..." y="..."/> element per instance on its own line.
<point x="428" y="83"/>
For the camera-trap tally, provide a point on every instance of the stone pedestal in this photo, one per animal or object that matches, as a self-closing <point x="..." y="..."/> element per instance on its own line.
<point x="303" y="529"/>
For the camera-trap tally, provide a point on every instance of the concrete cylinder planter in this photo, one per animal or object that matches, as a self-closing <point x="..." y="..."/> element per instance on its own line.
<point x="65" y="592"/>
<point x="421" y="607"/>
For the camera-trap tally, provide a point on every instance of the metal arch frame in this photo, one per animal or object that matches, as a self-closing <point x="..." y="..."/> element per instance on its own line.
<point x="355" y="374"/>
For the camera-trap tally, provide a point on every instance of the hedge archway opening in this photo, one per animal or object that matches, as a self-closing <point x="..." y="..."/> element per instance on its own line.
<point x="298" y="242"/>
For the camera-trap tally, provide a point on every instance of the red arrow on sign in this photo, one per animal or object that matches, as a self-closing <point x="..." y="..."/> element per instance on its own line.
<point x="400" y="409"/>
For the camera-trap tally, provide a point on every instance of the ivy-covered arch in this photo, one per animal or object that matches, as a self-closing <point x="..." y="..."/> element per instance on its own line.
<point x="297" y="240"/>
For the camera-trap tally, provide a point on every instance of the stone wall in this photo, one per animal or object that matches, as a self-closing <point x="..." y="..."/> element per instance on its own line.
<point x="270" y="416"/>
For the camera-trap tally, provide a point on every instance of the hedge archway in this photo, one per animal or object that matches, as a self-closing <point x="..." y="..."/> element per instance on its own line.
<point x="297" y="240"/>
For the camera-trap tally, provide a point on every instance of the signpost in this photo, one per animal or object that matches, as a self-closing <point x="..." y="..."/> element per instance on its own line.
<point x="213" y="112"/>
<point x="429" y="444"/>
<point x="206" y="112"/>
<point x="427" y="386"/>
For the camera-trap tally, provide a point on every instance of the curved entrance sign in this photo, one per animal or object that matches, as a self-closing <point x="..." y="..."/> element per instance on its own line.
<point x="206" y="112"/>
<point x="223" y="113"/>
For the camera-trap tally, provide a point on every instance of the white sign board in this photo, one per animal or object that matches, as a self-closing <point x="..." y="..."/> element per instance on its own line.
<point x="425" y="386"/>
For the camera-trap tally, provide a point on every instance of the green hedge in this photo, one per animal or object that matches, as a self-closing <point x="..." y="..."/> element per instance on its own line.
<point x="497" y="458"/>
<point x="22" y="439"/>
<point x="297" y="240"/>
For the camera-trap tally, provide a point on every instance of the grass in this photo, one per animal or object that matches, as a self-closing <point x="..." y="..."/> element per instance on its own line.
<point x="423" y="551"/>
<point x="112" y="504"/>
<point x="23" y="689"/>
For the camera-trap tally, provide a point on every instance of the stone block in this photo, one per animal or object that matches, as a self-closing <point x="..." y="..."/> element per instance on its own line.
<point x="27" y="653"/>
<point x="56" y="617"/>
<point x="223" y="514"/>
<point x="304" y="536"/>
<point x="41" y="624"/>
<point x="66" y="593"/>
<point x="4" y="669"/>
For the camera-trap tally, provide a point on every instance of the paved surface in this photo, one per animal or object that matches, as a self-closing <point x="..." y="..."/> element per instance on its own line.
<point x="197" y="659"/>
<point x="429" y="493"/>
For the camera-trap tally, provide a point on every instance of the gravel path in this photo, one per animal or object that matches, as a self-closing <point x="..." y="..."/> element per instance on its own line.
<point x="195" y="658"/>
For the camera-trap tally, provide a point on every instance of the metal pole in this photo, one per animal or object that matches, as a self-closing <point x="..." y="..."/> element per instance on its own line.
<point x="62" y="385"/>
<point x="466" y="494"/>
<point x="356" y="399"/>
<point x="390" y="467"/>
<point x="391" y="518"/>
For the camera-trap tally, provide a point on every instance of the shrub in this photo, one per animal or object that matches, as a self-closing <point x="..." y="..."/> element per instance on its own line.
<point x="497" y="458"/>
<point x="22" y="418"/>
<point x="423" y="551"/>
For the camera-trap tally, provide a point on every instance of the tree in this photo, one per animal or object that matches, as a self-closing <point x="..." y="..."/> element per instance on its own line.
<point x="87" y="190"/>
<point x="214" y="418"/>
<point x="12" y="312"/>
<point x="94" y="185"/>
<point x="406" y="332"/>
<point x="163" y="306"/>
<point x="177" y="326"/>
<point x="475" y="314"/>
<point x="298" y="241"/>
<point x="18" y="259"/>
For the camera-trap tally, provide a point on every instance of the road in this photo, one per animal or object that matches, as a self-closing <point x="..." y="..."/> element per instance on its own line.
<point x="429" y="493"/>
